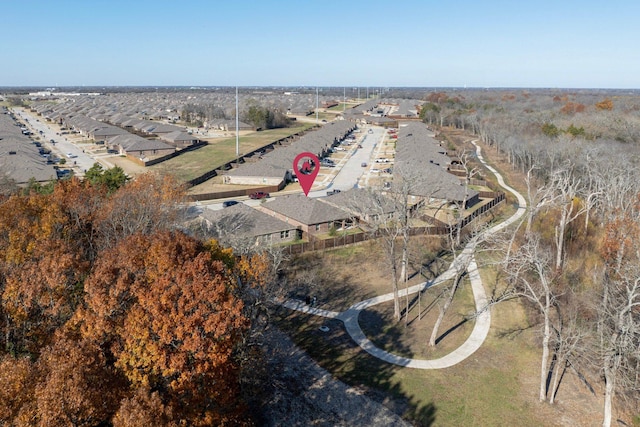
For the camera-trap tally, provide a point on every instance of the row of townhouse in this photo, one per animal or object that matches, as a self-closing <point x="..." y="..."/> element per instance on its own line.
<point x="275" y="167"/>
<point x="293" y="217"/>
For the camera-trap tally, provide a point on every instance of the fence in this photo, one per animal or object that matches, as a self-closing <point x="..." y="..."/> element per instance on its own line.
<point x="161" y="159"/>
<point x="233" y="193"/>
<point x="316" y="244"/>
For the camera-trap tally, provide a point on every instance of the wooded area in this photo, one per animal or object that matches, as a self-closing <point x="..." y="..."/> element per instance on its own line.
<point x="111" y="317"/>
<point x="575" y="261"/>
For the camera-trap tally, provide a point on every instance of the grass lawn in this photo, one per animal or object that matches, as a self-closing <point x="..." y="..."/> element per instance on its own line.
<point x="195" y="163"/>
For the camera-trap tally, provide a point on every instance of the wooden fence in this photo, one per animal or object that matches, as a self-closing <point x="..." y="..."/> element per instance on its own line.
<point x="233" y="193"/>
<point x="442" y="229"/>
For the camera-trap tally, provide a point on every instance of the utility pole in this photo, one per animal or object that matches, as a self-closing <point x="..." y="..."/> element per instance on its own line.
<point x="237" y="128"/>
<point x="316" y="104"/>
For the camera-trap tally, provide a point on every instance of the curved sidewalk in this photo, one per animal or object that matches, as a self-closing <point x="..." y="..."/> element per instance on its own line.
<point x="466" y="258"/>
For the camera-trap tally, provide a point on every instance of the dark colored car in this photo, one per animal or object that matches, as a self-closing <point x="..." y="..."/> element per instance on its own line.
<point x="332" y="192"/>
<point x="259" y="195"/>
<point x="229" y="203"/>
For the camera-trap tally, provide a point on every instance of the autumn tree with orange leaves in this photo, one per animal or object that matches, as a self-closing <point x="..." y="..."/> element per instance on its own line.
<point x="109" y="317"/>
<point x="165" y="309"/>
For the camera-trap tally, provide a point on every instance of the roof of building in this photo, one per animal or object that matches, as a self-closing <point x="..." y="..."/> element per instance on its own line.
<point x="131" y="143"/>
<point x="276" y="163"/>
<point x="305" y="210"/>
<point x="361" y="202"/>
<point x="242" y="221"/>
<point x="178" y="136"/>
<point x="423" y="159"/>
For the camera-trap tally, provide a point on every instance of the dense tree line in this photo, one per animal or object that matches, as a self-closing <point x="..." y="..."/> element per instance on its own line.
<point x="110" y="316"/>
<point x="574" y="261"/>
<point x="264" y="117"/>
<point x="260" y="116"/>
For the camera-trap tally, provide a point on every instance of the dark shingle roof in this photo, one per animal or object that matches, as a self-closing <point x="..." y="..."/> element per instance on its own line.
<point x="306" y="210"/>
<point x="243" y="221"/>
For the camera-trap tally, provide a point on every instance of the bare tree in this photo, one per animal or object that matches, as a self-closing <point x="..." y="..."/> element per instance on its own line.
<point x="531" y="276"/>
<point x="386" y="213"/>
<point x="381" y="217"/>
<point x="451" y="292"/>
<point x="569" y="345"/>
<point x="567" y="187"/>
<point x="619" y="312"/>
<point x="537" y="198"/>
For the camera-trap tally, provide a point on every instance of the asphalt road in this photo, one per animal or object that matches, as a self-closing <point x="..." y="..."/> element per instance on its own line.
<point x="62" y="146"/>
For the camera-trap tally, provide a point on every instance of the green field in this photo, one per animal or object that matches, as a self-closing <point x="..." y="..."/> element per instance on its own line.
<point x="195" y="163"/>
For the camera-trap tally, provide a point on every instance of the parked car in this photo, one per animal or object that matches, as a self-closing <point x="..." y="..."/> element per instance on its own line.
<point x="370" y="130"/>
<point x="228" y="203"/>
<point x="363" y="164"/>
<point x="259" y="195"/>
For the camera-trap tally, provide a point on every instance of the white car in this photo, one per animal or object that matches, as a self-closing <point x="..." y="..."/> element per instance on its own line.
<point x="71" y="155"/>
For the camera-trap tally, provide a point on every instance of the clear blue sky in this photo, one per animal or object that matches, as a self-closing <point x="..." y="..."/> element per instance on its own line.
<point x="483" y="43"/>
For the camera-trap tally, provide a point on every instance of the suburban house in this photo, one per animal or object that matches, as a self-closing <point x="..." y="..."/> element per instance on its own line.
<point x="242" y="226"/>
<point x="404" y="109"/>
<point x="180" y="139"/>
<point x="153" y="128"/>
<point x="310" y="215"/>
<point x="228" y="125"/>
<point x="139" y="147"/>
<point x="106" y="132"/>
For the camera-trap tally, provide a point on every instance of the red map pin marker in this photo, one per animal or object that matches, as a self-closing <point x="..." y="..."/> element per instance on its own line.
<point x="307" y="170"/>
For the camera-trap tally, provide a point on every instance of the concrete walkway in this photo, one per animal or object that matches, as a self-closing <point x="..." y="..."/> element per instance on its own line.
<point x="464" y="261"/>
